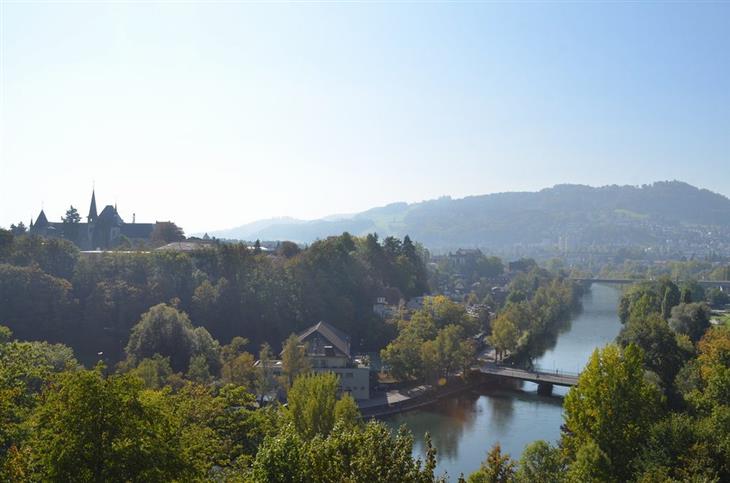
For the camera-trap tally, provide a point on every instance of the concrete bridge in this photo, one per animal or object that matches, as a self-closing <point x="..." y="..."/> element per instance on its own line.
<point x="723" y="284"/>
<point x="544" y="380"/>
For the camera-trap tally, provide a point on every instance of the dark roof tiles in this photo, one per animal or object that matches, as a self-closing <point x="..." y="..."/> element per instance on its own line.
<point x="336" y="337"/>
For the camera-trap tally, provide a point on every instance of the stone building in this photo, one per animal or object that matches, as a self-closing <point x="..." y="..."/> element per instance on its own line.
<point x="100" y="231"/>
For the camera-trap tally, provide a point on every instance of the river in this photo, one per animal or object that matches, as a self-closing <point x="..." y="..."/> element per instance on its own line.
<point x="465" y="427"/>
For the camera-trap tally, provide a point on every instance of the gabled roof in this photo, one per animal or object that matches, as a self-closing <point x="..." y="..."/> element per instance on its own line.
<point x="334" y="336"/>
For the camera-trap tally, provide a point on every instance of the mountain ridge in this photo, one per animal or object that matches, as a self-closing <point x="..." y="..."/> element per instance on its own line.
<point x="612" y="213"/>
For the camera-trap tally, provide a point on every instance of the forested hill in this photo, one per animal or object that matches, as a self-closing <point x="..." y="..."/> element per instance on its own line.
<point x="608" y="214"/>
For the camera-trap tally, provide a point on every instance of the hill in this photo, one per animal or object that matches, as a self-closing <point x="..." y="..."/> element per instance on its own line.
<point x="608" y="215"/>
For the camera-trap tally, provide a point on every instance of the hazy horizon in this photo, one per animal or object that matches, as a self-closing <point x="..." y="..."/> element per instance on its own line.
<point x="216" y="115"/>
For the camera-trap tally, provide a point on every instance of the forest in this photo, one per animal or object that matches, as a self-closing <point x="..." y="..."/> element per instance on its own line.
<point x="51" y="292"/>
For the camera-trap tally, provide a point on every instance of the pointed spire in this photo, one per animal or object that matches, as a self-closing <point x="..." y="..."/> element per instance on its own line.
<point x="31" y="222"/>
<point x="92" y="209"/>
<point x="41" y="221"/>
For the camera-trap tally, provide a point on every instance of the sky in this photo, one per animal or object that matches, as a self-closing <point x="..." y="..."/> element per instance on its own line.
<point x="217" y="114"/>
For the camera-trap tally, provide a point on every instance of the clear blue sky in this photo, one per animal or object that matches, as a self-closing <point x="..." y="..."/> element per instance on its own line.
<point x="213" y="115"/>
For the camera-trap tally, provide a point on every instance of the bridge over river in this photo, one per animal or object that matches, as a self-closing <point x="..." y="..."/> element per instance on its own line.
<point x="544" y="380"/>
<point x="723" y="284"/>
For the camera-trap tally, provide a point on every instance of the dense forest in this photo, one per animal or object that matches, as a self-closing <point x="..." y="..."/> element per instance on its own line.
<point x="91" y="303"/>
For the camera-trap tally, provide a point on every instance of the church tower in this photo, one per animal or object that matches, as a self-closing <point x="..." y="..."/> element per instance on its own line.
<point x="88" y="243"/>
<point x="92" y="209"/>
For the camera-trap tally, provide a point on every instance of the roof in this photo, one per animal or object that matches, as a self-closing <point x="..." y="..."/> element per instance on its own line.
<point x="109" y="215"/>
<point x="137" y="230"/>
<point x="92" y="207"/>
<point x="41" y="221"/>
<point x="184" y="246"/>
<point x="468" y="252"/>
<point x="334" y="336"/>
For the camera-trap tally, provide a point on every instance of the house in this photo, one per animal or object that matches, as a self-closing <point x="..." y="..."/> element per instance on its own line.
<point x="386" y="305"/>
<point x="466" y="256"/>
<point x="328" y="350"/>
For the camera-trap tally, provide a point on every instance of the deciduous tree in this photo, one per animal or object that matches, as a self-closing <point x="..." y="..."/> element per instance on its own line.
<point x="612" y="407"/>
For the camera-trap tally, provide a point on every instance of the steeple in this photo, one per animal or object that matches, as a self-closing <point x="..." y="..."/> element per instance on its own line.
<point x="41" y="221"/>
<point x="92" y="209"/>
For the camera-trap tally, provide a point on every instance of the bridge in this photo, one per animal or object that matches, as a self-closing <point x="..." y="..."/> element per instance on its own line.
<point x="723" y="284"/>
<point x="544" y="380"/>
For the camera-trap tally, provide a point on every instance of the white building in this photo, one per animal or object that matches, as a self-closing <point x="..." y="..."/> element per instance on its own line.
<point x="328" y="350"/>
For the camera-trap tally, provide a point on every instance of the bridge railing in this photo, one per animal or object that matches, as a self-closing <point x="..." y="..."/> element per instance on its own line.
<point x="540" y="370"/>
<point x="555" y="372"/>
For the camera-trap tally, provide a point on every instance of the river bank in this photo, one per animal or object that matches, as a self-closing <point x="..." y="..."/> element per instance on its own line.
<point x="464" y="426"/>
<point x="400" y="400"/>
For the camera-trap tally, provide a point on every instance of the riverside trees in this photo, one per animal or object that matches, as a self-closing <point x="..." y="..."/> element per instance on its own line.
<point x="539" y="302"/>
<point x="435" y="342"/>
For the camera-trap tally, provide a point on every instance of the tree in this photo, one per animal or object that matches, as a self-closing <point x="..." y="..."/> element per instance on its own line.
<point x="240" y="371"/>
<point x="166" y="331"/>
<point x="35" y="305"/>
<point x="282" y="459"/>
<point x="692" y="291"/>
<point x="25" y="368"/>
<point x="671" y="296"/>
<point x="92" y="428"/>
<point x="685" y="448"/>
<point x="347" y="412"/>
<point x="716" y="297"/>
<point x="153" y="371"/>
<point x="359" y="454"/>
<point x="209" y="348"/>
<point x="288" y="249"/>
<point x="541" y="463"/>
<point x="662" y="353"/>
<point x="198" y="370"/>
<point x="55" y="256"/>
<point x="312" y="401"/>
<point x="591" y="465"/>
<point x="166" y="232"/>
<point x="403" y="357"/>
<point x="233" y="349"/>
<point x="643" y="299"/>
<point x="713" y="366"/>
<point x="72" y="216"/>
<point x="612" y="407"/>
<point x="690" y="319"/>
<point x="264" y="373"/>
<point x="294" y="360"/>
<point x="7" y="242"/>
<point x="497" y="468"/>
<point x="18" y="229"/>
<point x="504" y="336"/>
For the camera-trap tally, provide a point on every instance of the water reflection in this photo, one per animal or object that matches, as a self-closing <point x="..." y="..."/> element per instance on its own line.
<point x="465" y="427"/>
